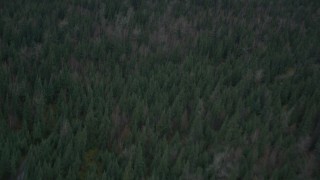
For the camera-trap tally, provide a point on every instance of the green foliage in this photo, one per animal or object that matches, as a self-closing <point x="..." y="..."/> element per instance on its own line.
<point x="195" y="89"/>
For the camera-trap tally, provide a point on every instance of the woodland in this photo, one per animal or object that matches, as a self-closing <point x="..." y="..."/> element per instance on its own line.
<point x="160" y="90"/>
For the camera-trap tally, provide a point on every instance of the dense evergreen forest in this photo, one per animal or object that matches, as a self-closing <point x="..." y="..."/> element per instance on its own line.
<point x="158" y="89"/>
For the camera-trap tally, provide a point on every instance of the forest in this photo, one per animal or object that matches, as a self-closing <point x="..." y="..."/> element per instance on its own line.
<point x="159" y="90"/>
